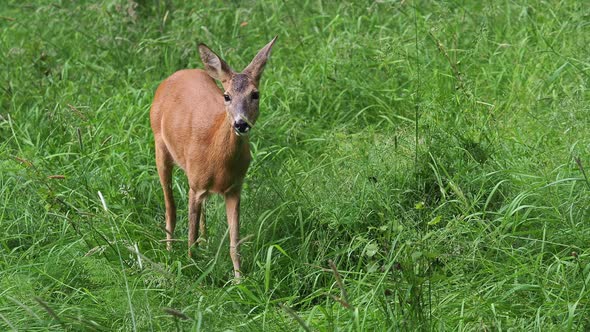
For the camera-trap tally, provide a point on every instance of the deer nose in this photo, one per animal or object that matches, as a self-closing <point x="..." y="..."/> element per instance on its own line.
<point x="241" y="126"/>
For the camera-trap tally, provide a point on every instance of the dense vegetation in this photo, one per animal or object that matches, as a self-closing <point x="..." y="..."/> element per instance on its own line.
<point x="418" y="165"/>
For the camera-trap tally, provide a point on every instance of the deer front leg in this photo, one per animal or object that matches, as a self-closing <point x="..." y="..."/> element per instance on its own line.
<point x="232" y="208"/>
<point x="195" y="217"/>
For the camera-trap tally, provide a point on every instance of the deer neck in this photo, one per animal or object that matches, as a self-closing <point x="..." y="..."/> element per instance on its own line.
<point x="227" y="142"/>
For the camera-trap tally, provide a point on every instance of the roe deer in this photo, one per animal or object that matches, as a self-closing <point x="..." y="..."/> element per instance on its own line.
<point x="205" y="131"/>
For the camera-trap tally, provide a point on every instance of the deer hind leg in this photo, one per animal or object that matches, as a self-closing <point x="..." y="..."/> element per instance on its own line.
<point x="196" y="216"/>
<point x="202" y="221"/>
<point x="165" y="164"/>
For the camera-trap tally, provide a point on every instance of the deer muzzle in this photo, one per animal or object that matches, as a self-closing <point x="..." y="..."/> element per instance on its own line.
<point x="241" y="127"/>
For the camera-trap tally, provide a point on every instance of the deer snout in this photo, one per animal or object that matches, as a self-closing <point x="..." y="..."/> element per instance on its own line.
<point x="241" y="127"/>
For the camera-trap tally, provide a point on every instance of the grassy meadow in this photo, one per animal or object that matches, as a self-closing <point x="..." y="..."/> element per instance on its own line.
<point x="417" y="165"/>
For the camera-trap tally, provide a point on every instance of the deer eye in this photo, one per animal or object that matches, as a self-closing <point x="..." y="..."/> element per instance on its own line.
<point x="226" y="97"/>
<point x="255" y="95"/>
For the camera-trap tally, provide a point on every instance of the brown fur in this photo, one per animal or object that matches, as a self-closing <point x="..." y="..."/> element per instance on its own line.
<point x="188" y="108"/>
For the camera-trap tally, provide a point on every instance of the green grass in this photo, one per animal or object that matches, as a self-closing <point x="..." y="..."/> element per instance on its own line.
<point x="428" y="149"/>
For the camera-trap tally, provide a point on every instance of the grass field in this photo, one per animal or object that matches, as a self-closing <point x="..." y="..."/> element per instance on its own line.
<point x="433" y="156"/>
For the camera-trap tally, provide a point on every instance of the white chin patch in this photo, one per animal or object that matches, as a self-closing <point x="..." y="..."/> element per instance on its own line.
<point x="241" y="134"/>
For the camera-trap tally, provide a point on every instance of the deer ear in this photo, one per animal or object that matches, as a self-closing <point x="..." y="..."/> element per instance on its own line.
<point x="214" y="65"/>
<point x="256" y="67"/>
